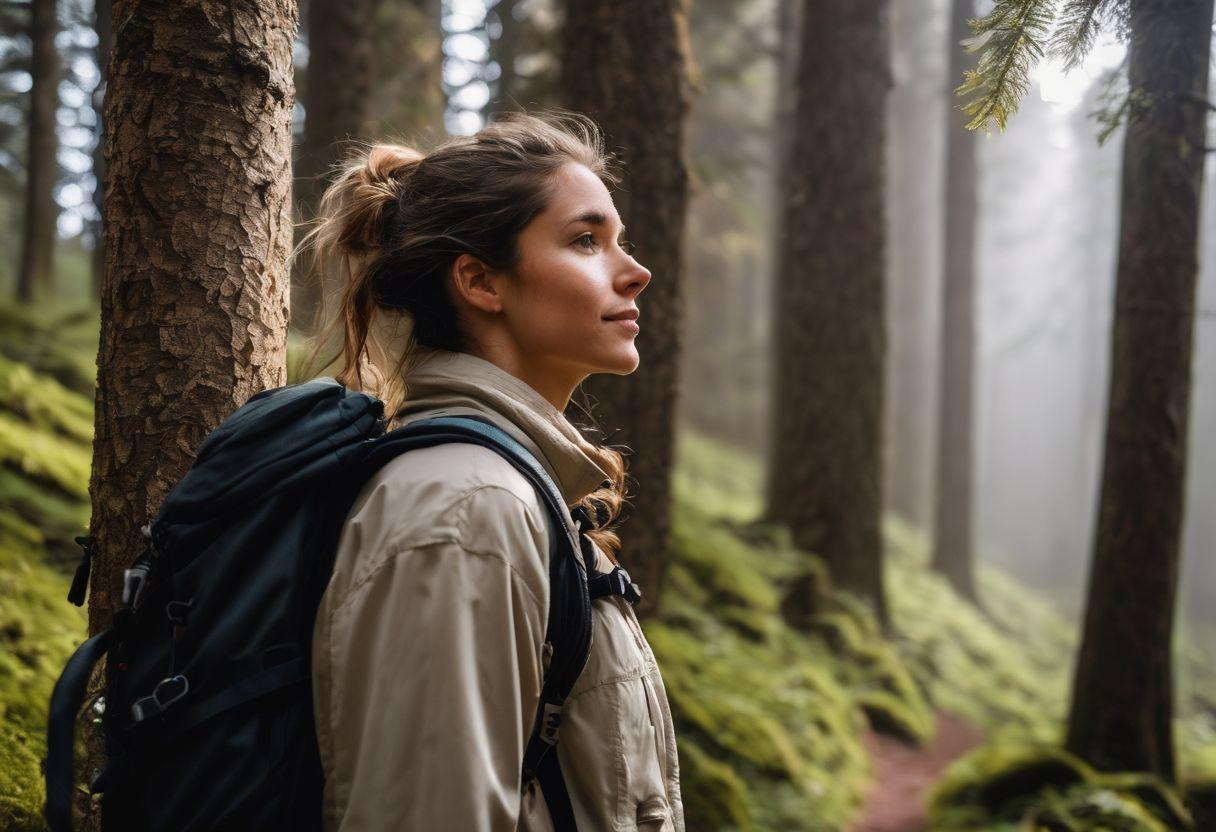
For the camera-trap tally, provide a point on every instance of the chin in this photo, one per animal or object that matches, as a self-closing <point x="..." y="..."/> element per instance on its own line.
<point x="619" y="365"/>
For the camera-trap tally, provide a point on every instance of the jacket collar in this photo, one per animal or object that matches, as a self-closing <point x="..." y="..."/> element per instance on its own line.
<point x="445" y="382"/>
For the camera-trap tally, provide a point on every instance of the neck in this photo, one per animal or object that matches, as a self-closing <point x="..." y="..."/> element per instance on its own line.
<point x="556" y="383"/>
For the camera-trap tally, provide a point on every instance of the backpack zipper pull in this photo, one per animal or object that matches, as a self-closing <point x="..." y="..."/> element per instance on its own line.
<point x="80" y="581"/>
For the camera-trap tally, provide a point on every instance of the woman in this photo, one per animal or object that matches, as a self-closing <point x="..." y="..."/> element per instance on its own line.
<point x="503" y="253"/>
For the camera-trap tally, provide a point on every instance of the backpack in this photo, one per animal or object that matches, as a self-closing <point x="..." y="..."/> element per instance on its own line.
<point x="207" y="707"/>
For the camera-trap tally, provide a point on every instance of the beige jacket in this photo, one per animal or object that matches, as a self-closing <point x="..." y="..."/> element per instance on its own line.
<point x="428" y="643"/>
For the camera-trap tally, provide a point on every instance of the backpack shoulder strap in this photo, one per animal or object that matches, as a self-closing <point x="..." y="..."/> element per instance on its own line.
<point x="569" y="626"/>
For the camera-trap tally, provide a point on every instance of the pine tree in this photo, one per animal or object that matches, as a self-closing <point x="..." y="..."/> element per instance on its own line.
<point x="825" y="470"/>
<point x="1121" y="717"/>
<point x="41" y="168"/>
<point x="194" y="292"/>
<point x="953" y="518"/>
<point x="625" y="63"/>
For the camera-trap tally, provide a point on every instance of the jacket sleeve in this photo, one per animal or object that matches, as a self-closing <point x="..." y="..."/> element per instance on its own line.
<point x="437" y="669"/>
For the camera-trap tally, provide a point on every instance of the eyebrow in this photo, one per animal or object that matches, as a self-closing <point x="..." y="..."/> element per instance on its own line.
<point x="592" y="217"/>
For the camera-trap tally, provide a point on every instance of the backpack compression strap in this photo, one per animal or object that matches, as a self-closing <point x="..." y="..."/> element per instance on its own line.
<point x="66" y="700"/>
<point x="569" y="626"/>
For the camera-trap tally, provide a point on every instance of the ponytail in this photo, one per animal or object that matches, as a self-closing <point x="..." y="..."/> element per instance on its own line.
<point x="393" y="220"/>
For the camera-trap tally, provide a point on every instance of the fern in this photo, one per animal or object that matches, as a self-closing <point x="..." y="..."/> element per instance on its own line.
<point x="1013" y="37"/>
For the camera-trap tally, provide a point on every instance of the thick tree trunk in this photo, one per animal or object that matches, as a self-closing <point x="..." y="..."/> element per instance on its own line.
<point x="1123" y="692"/>
<point x="953" y="535"/>
<point x="105" y="42"/>
<point x="825" y="471"/>
<point x="194" y="303"/>
<point x="626" y="64"/>
<point x="37" y="269"/>
<point x="341" y="46"/>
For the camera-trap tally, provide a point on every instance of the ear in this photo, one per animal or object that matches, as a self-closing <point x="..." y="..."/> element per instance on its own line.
<point x="477" y="283"/>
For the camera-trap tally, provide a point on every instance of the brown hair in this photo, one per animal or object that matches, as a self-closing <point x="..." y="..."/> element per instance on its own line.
<point x="393" y="220"/>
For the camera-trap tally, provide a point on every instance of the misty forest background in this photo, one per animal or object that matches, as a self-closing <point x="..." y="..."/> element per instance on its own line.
<point x="924" y="435"/>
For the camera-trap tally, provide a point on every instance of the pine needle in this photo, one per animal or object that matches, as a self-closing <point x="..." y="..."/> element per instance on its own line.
<point x="1013" y="36"/>
<point x="1078" y="27"/>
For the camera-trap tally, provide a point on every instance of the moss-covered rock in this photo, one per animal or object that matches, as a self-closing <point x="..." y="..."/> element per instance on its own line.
<point x="1043" y="787"/>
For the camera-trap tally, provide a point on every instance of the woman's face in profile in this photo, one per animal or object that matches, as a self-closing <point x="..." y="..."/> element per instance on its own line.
<point x="574" y="272"/>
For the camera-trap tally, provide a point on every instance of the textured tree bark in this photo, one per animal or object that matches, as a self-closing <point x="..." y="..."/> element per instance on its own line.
<point x="626" y="64"/>
<point x="105" y="42"/>
<point x="41" y="168"/>
<point x="953" y="531"/>
<point x="825" y="471"/>
<point x="1123" y="691"/>
<point x="195" y="292"/>
<point x="341" y="46"/>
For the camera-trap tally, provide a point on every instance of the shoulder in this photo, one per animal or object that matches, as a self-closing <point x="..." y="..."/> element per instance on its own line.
<point x="459" y="496"/>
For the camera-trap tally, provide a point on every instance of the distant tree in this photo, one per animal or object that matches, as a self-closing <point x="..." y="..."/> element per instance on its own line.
<point x="194" y="301"/>
<point x="525" y="38"/>
<point x="829" y="339"/>
<point x="626" y="64"/>
<point x="1122" y="708"/>
<point x="733" y="147"/>
<point x="953" y="524"/>
<point x="915" y="154"/>
<point x="41" y="168"/>
<point x="105" y="42"/>
<point x="341" y="45"/>
<point x="407" y="98"/>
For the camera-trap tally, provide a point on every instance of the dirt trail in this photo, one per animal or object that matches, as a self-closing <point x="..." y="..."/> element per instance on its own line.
<point x="903" y="774"/>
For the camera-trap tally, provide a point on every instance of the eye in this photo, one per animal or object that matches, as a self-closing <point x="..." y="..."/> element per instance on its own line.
<point x="628" y="247"/>
<point x="587" y="236"/>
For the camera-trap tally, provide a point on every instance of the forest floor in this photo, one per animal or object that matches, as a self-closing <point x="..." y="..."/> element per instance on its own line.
<point x="904" y="773"/>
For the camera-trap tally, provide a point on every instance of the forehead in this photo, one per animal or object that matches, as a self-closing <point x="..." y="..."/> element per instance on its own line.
<point x="576" y="192"/>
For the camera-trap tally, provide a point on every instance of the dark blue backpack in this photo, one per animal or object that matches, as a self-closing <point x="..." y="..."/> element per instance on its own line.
<point x="207" y="703"/>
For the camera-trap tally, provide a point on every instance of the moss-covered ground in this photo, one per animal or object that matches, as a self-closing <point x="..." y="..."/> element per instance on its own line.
<point x="770" y="718"/>
<point x="46" y="435"/>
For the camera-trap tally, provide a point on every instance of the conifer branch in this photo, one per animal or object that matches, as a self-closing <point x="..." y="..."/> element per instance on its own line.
<point x="1076" y="31"/>
<point x="1012" y="37"/>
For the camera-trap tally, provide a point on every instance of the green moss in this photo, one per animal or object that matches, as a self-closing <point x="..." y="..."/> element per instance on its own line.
<point x="1200" y="797"/>
<point x="43" y="457"/>
<point x="720" y="802"/>
<point x="1004" y="669"/>
<point x="56" y="344"/>
<point x="1045" y="787"/>
<point x="39" y="630"/>
<point x="44" y="403"/>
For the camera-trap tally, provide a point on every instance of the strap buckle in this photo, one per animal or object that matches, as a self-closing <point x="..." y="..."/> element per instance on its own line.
<point x="166" y="692"/>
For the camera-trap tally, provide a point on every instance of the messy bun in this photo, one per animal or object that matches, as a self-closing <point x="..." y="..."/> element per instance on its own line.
<point x="391" y="224"/>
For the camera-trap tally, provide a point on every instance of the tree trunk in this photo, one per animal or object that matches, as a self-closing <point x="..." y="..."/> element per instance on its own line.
<point x="407" y="98"/>
<point x="825" y="470"/>
<point x="626" y="64"/>
<point x="41" y="168"/>
<point x="953" y="535"/>
<point x="105" y="42"/>
<point x="194" y="305"/>
<point x="1123" y="691"/>
<point x="503" y="51"/>
<point x="341" y="45"/>
<point x="915" y="151"/>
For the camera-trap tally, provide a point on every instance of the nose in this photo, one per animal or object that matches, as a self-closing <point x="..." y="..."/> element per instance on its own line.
<point x="634" y="278"/>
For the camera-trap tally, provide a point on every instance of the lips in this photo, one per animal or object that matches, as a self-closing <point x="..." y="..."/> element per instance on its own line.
<point x="624" y="315"/>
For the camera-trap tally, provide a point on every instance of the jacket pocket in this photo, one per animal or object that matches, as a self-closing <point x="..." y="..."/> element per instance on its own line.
<point x="642" y="796"/>
<point x="654" y="815"/>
